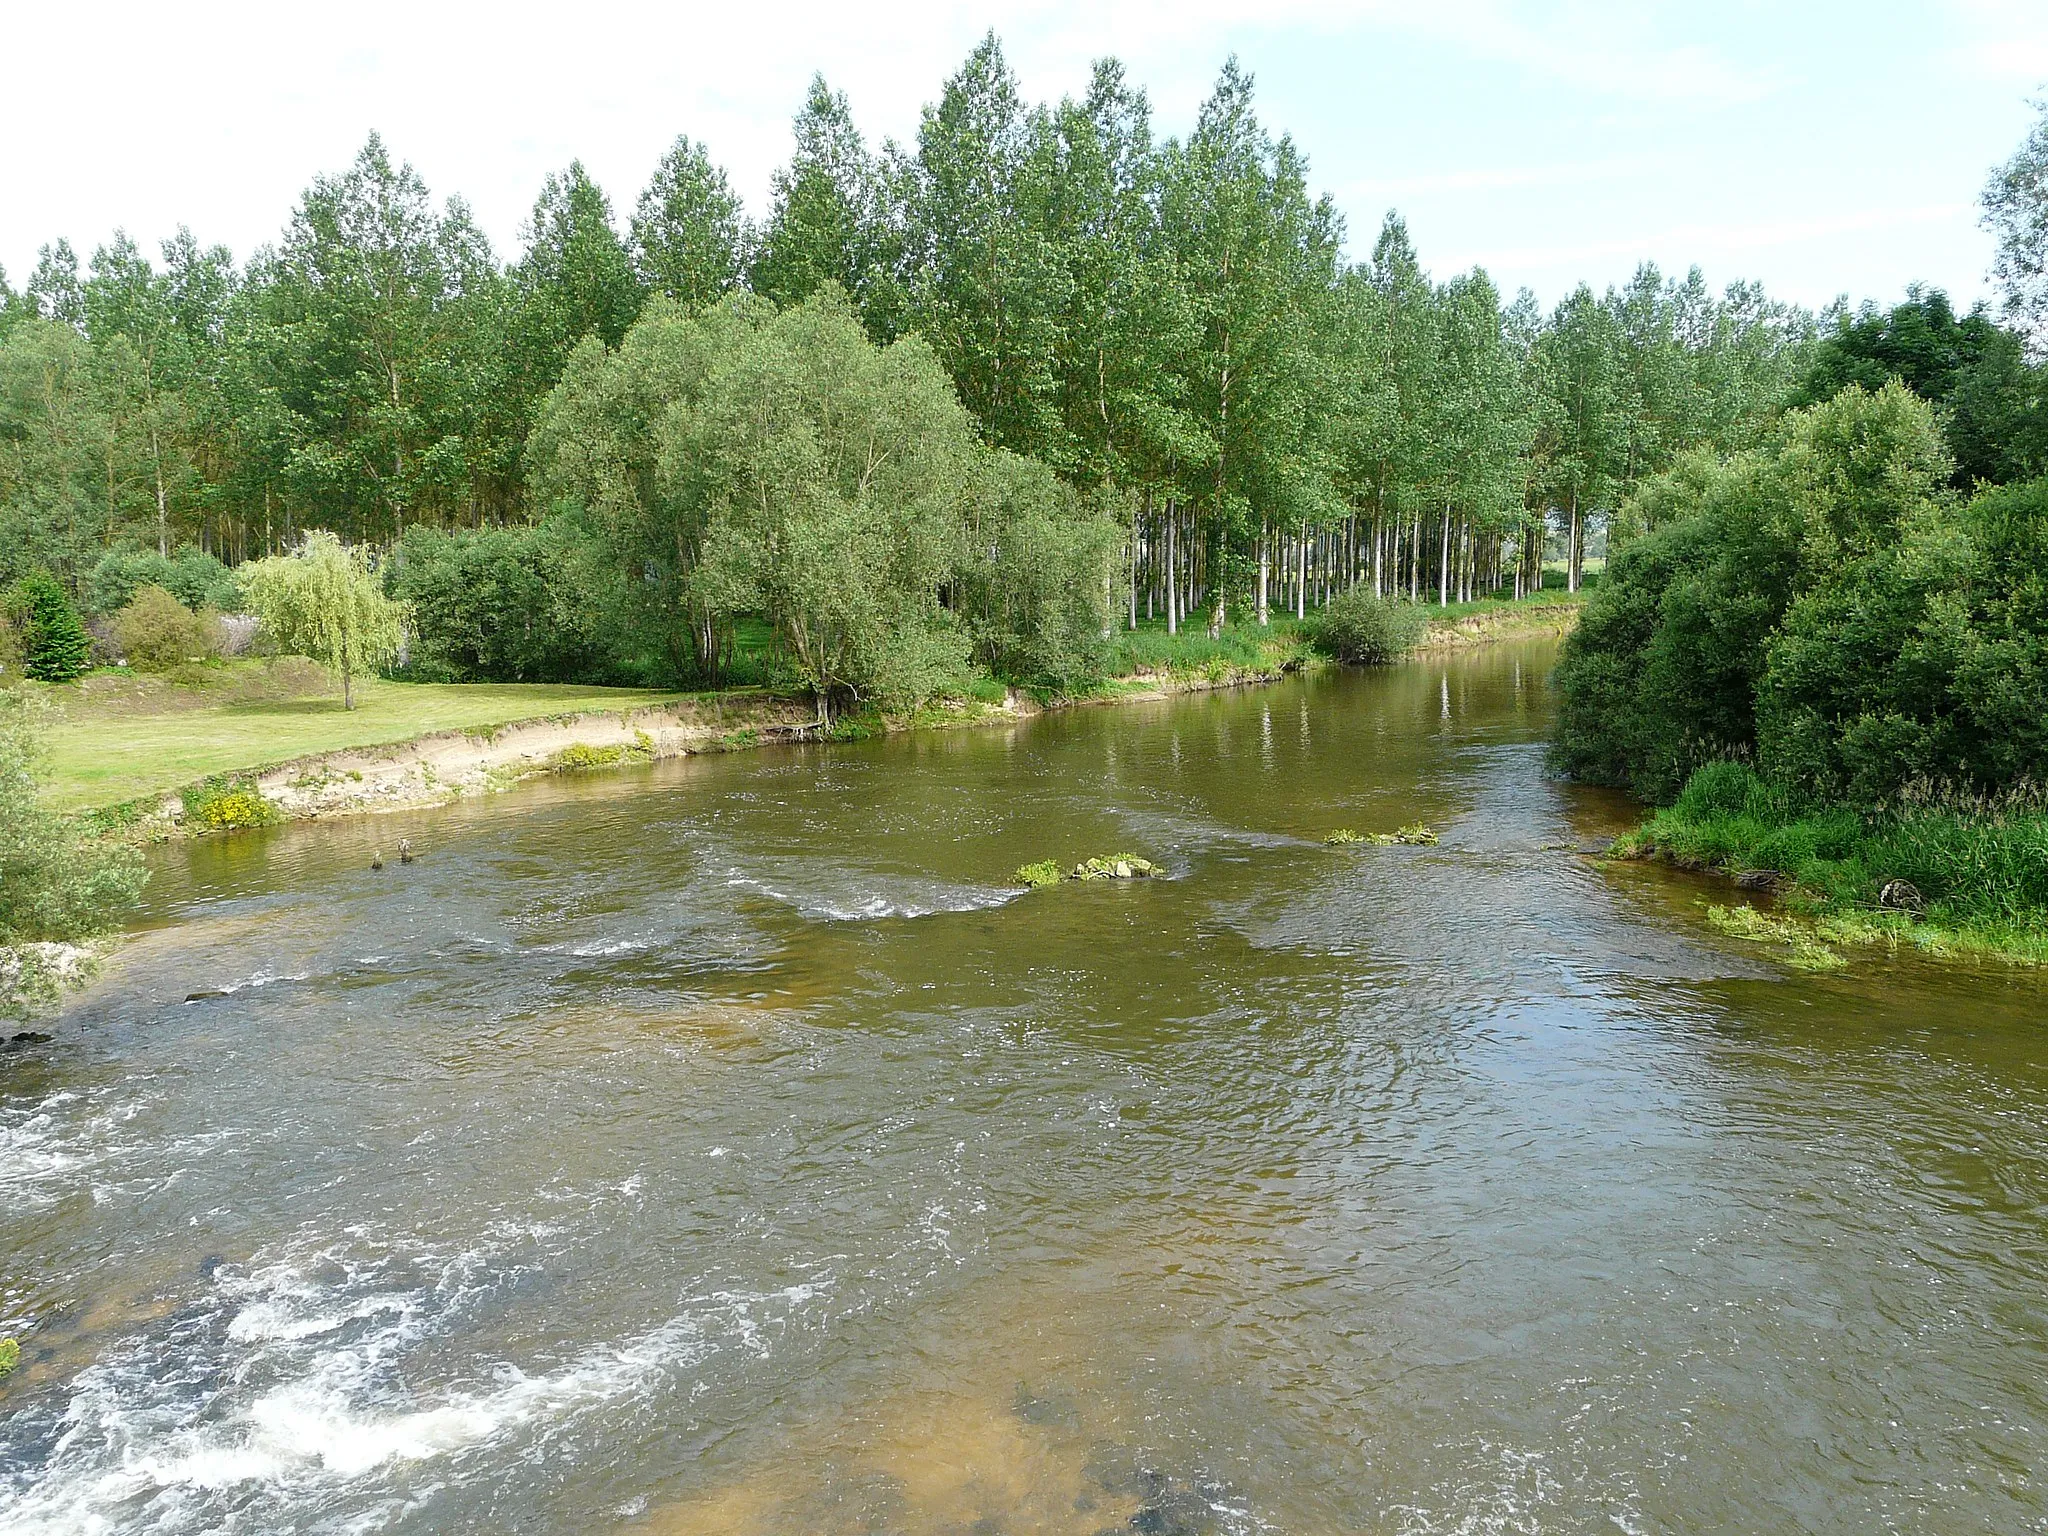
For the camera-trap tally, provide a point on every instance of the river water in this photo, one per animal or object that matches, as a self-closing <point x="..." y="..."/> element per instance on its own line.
<point x="725" y="1147"/>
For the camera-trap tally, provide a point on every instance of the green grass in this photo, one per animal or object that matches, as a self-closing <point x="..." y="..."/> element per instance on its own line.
<point x="1981" y="866"/>
<point x="122" y="737"/>
<point x="1550" y="598"/>
<point x="1149" y="650"/>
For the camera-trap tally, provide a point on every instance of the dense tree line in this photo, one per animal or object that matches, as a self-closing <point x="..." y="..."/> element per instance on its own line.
<point x="1171" y="392"/>
<point x="1856" y="606"/>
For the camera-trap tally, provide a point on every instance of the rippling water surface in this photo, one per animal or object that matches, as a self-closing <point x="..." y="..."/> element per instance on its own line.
<point x="725" y="1147"/>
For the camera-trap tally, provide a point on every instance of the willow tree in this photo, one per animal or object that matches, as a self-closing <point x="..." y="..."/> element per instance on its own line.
<point x="832" y="475"/>
<point x="2016" y="212"/>
<point x="325" y="602"/>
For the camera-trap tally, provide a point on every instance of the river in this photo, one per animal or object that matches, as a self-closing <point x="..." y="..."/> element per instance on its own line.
<point x="723" y="1146"/>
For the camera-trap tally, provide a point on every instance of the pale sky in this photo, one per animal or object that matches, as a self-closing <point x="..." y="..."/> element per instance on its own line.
<point x="1828" y="147"/>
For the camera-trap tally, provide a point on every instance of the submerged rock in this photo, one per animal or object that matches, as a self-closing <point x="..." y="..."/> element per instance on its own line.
<point x="1415" y="835"/>
<point x="1116" y="866"/>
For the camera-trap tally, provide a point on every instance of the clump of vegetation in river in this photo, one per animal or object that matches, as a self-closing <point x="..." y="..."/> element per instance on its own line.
<point x="60" y="883"/>
<point x="1796" y="941"/>
<point x="1112" y="866"/>
<point x="1115" y="866"/>
<point x="1416" y="834"/>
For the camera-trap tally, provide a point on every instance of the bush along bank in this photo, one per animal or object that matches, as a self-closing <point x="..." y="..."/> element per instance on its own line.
<point x="1943" y="875"/>
<point x="1831" y="611"/>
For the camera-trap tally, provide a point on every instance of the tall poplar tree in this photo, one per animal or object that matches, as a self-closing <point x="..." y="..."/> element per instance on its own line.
<point x="825" y="210"/>
<point x="689" y="235"/>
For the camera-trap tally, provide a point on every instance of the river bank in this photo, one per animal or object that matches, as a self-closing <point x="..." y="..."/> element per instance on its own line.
<point x="1949" y="881"/>
<point x="435" y="767"/>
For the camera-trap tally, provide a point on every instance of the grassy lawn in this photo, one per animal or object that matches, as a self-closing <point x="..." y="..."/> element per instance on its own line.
<point x="121" y="736"/>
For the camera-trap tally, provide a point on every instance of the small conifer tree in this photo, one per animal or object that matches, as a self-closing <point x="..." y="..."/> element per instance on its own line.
<point x="55" y="648"/>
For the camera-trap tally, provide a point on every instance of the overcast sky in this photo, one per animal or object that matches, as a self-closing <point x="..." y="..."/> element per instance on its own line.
<point x="1824" y="148"/>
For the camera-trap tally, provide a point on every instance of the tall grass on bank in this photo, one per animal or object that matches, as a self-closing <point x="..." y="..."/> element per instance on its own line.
<point x="1980" y="862"/>
<point x="1151" y="651"/>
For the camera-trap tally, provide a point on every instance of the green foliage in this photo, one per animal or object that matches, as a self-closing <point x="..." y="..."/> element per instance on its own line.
<point x="58" y="881"/>
<point x="1994" y="404"/>
<point x="688" y="232"/>
<point x="825" y="221"/>
<point x="1362" y="628"/>
<point x="54" y="644"/>
<point x="1239" y="649"/>
<point x="1980" y="863"/>
<point x="515" y="605"/>
<point x="2016" y="212"/>
<point x="192" y="576"/>
<point x="1034" y="574"/>
<point x="1044" y="872"/>
<point x="581" y="756"/>
<point x="833" y="476"/>
<point x="1795" y="940"/>
<point x="228" y="806"/>
<point x="1343" y="837"/>
<point x="10" y="1356"/>
<point x="1712" y="636"/>
<point x="326" y="603"/>
<point x="576" y="279"/>
<point x="157" y="632"/>
<point x="1416" y="834"/>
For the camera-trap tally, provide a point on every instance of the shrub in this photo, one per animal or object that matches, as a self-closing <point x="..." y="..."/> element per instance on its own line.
<point x="157" y="632"/>
<point x="512" y="605"/>
<point x="55" y="647"/>
<point x="1359" y="627"/>
<point x="228" y="807"/>
<point x="10" y="638"/>
<point x="192" y="576"/>
<point x="59" y="881"/>
<point x="1044" y="872"/>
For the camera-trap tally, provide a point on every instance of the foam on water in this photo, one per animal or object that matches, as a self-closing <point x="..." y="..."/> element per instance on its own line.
<point x="283" y="1391"/>
<point x="895" y="898"/>
<point x="47" y="1146"/>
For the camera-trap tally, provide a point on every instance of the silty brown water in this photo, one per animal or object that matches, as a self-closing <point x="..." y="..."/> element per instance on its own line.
<point x="724" y="1146"/>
